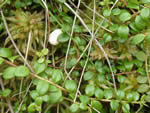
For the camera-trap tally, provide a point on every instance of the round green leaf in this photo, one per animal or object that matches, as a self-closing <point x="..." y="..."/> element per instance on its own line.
<point x="6" y="92"/>
<point x="129" y="97"/>
<point x="120" y="78"/>
<point x="44" y="51"/>
<point x="116" y="11"/>
<point x="57" y="75"/>
<point x="32" y="107"/>
<point x="143" y="88"/>
<point x="140" y="23"/>
<point x="89" y="90"/>
<point x="126" y="108"/>
<point x="39" y="67"/>
<point x="120" y="94"/>
<point x="71" y="85"/>
<point x="137" y="39"/>
<point x="107" y="12"/>
<point x="45" y="98"/>
<point x="64" y="37"/>
<point x="9" y="73"/>
<point x="141" y="79"/>
<point x="42" y="87"/>
<point x="107" y="37"/>
<point x="125" y="16"/>
<point x="74" y="108"/>
<point x="55" y="95"/>
<point x="99" y="93"/>
<point x="123" y="32"/>
<point x="84" y="99"/>
<point x="108" y="93"/>
<point x="83" y="106"/>
<point x="140" y="55"/>
<point x="97" y="105"/>
<point x="5" y="52"/>
<point x="88" y="75"/>
<point x="34" y="94"/>
<point x="145" y="13"/>
<point x="22" y="71"/>
<point x="136" y="96"/>
<point x="38" y="100"/>
<point x="114" y="105"/>
<point x="49" y="71"/>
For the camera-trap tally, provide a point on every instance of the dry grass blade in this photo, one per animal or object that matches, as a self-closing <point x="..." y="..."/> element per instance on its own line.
<point x="114" y="82"/>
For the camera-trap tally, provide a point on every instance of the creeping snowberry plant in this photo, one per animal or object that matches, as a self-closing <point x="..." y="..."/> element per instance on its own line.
<point x="74" y="56"/>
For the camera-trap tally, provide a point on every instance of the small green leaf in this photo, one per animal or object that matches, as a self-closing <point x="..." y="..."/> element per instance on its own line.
<point x="107" y="12"/>
<point x="9" y="73"/>
<point x="84" y="99"/>
<point x="44" y="51"/>
<point x="32" y="107"/>
<point x="99" y="93"/>
<point x="88" y="75"/>
<point x="126" y="108"/>
<point x="49" y="71"/>
<point x="71" y="85"/>
<point x="57" y="75"/>
<point x="45" y="98"/>
<point x="55" y="95"/>
<point x="22" y="71"/>
<point x="114" y="105"/>
<point x="38" y="100"/>
<point x="90" y="89"/>
<point x="6" y="92"/>
<point x="108" y="93"/>
<point x="97" y="105"/>
<point x="137" y="39"/>
<point x="129" y="97"/>
<point x="125" y="16"/>
<point x="34" y="94"/>
<point x="39" y="67"/>
<point x="116" y="11"/>
<point x="136" y="96"/>
<point x="140" y="55"/>
<point x="123" y="32"/>
<point x="140" y="23"/>
<point x="128" y="65"/>
<point x="120" y="78"/>
<point x="145" y="13"/>
<point x="83" y="106"/>
<point x="64" y="37"/>
<point x="12" y="58"/>
<point x="74" y="108"/>
<point x="141" y="79"/>
<point x="42" y="87"/>
<point x="5" y="52"/>
<point x="120" y="94"/>
<point x="143" y="88"/>
<point x="107" y="37"/>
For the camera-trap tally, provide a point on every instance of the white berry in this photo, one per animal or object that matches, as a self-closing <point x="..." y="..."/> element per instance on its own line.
<point x="54" y="36"/>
